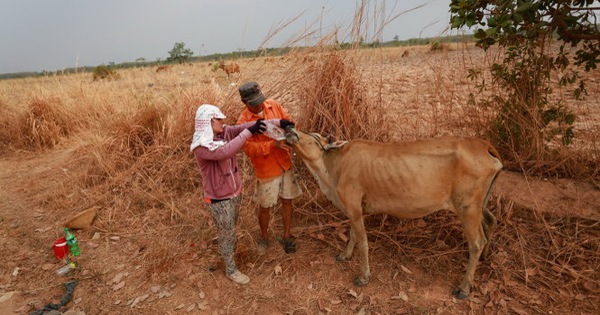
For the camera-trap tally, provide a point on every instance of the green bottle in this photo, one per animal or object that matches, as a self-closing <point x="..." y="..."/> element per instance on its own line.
<point x="72" y="242"/>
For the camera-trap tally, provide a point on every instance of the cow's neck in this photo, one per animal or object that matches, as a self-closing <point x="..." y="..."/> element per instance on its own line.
<point x="325" y="172"/>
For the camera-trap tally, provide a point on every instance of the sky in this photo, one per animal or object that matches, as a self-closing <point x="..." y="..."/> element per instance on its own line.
<point x="38" y="35"/>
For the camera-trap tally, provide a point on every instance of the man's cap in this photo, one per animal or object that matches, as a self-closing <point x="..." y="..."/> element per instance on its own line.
<point x="251" y="94"/>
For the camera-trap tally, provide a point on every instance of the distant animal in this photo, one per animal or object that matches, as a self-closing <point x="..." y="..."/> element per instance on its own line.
<point x="163" y="68"/>
<point x="307" y="59"/>
<point x="405" y="54"/>
<point x="406" y="180"/>
<point x="229" y="68"/>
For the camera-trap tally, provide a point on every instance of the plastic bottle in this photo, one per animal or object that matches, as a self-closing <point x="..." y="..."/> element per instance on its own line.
<point x="65" y="269"/>
<point x="274" y="132"/>
<point x="72" y="242"/>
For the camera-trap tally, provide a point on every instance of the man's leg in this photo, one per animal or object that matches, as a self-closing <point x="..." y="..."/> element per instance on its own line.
<point x="264" y="216"/>
<point x="266" y="196"/>
<point x="288" y="191"/>
<point x="286" y="216"/>
<point x="289" y="245"/>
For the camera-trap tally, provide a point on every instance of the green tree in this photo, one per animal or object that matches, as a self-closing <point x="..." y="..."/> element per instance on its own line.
<point x="538" y="37"/>
<point x="179" y="53"/>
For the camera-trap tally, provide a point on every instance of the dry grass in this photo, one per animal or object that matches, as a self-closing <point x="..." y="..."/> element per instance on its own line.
<point x="124" y="147"/>
<point x="338" y="104"/>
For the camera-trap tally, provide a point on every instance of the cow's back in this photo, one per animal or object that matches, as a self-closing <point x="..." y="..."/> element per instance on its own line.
<point x="412" y="179"/>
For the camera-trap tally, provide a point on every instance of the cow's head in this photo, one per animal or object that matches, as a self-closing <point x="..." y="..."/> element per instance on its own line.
<point x="309" y="145"/>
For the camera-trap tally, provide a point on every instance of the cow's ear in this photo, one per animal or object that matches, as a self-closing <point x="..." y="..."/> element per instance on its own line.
<point x="335" y="145"/>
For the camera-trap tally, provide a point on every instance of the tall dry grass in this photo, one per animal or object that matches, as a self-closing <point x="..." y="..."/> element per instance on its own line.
<point x="337" y="103"/>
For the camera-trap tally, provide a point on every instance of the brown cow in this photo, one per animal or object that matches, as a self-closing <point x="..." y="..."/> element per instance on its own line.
<point x="230" y="68"/>
<point x="163" y="68"/>
<point x="406" y="180"/>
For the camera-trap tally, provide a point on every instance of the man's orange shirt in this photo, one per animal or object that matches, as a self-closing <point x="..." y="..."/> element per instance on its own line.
<point x="268" y="160"/>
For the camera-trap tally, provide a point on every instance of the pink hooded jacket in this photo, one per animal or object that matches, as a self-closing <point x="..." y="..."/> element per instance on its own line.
<point x="219" y="168"/>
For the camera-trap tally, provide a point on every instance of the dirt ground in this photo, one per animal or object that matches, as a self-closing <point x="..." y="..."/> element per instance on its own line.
<point x="545" y="256"/>
<point x="308" y="282"/>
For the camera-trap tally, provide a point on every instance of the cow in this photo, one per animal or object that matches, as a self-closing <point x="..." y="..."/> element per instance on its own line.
<point x="162" y="68"/>
<point x="406" y="180"/>
<point x="230" y="68"/>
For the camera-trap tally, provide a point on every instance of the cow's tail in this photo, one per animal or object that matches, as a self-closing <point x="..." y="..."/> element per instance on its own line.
<point x="489" y="191"/>
<point x="493" y="152"/>
<point x="496" y="156"/>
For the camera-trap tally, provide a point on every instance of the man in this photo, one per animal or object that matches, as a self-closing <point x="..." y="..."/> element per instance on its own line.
<point x="272" y="165"/>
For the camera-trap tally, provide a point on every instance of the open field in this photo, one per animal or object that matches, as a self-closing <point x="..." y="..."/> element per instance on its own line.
<point x="122" y="146"/>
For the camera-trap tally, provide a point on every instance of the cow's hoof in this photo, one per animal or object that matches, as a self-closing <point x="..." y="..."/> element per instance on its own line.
<point x="460" y="294"/>
<point x="483" y="256"/>
<point x="359" y="282"/>
<point x="340" y="258"/>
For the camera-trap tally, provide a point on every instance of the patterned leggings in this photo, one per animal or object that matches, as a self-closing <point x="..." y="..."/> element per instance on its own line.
<point x="225" y="216"/>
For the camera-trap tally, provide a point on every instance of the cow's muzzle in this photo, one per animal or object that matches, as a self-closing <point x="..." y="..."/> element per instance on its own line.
<point x="291" y="135"/>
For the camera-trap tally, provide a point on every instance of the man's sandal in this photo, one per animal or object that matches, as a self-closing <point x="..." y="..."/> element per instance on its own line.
<point x="289" y="246"/>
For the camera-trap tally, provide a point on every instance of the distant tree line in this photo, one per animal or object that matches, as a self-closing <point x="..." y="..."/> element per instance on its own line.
<point x="179" y="54"/>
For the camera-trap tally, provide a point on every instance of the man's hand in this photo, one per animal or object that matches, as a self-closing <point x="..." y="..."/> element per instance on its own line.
<point x="284" y="123"/>
<point x="258" y="127"/>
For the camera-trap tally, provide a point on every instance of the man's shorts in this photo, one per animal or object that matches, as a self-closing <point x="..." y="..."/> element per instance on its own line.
<point x="268" y="191"/>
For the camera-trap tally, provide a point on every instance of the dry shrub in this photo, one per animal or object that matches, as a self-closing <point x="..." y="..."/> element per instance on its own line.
<point x="140" y="131"/>
<point x="150" y="148"/>
<point x="43" y="125"/>
<point x="93" y="167"/>
<point x="437" y="46"/>
<point x="539" y="125"/>
<point x="181" y="125"/>
<point x="147" y="152"/>
<point x="9" y="131"/>
<point x="336" y="102"/>
<point x="530" y="145"/>
<point x="104" y="72"/>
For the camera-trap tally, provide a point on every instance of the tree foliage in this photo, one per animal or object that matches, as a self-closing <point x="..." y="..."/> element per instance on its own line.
<point x="539" y="37"/>
<point x="510" y="22"/>
<point x="179" y="53"/>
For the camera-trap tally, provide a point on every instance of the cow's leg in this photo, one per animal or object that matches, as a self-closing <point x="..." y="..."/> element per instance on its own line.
<point x="489" y="224"/>
<point x="471" y="217"/>
<point x="345" y="255"/>
<point x="350" y="197"/>
<point x="354" y="213"/>
<point x="358" y="224"/>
